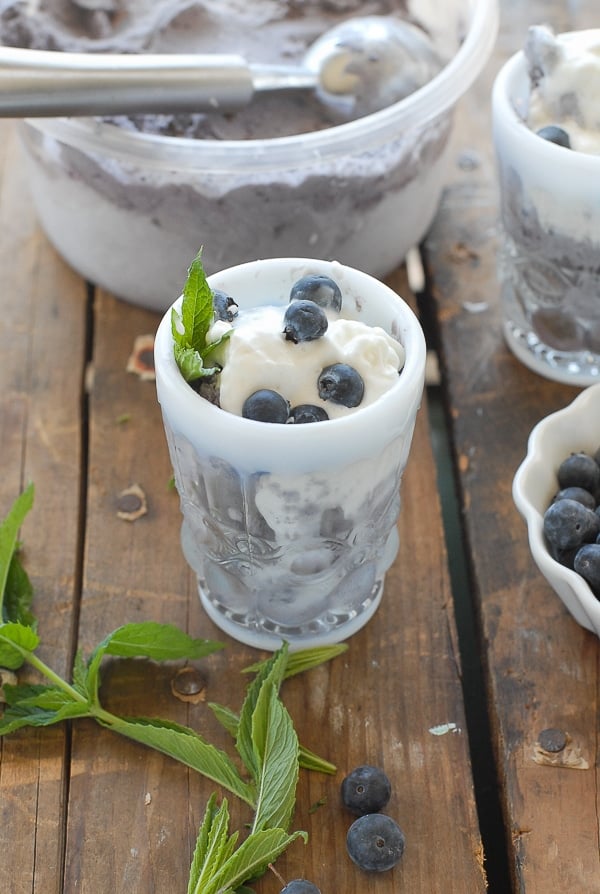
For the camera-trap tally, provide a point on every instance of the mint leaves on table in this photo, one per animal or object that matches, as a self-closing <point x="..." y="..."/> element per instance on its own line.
<point x="263" y="731"/>
<point x="266" y="741"/>
<point x="190" y="326"/>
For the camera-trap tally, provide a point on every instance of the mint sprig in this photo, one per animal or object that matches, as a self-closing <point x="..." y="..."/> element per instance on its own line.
<point x="265" y="739"/>
<point x="217" y="868"/>
<point x="190" y="326"/>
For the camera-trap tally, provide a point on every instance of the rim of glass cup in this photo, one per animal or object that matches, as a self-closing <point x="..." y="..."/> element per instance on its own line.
<point x="431" y="100"/>
<point x="410" y="381"/>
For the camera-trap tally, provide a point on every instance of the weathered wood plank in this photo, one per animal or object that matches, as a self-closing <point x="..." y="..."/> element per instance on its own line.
<point x="542" y="668"/>
<point x="399" y="679"/>
<point x="42" y="346"/>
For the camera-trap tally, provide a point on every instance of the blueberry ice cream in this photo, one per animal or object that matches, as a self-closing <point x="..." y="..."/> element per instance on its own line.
<point x="157" y="186"/>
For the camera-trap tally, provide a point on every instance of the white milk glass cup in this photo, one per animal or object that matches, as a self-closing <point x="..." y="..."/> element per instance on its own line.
<point x="549" y="260"/>
<point x="291" y="528"/>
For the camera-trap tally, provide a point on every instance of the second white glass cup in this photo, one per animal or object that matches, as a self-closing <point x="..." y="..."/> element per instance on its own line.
<point x="550" y="253"/>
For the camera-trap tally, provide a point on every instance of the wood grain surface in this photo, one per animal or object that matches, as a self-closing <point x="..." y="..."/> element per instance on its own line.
<point x="542" y="668"/>
<point x="83" y="810"/>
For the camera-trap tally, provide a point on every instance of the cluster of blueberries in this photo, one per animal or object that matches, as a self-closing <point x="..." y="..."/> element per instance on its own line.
<point x="305" y="320"/>
<point x="375" y="842"/>
<point x="572" y="521"/>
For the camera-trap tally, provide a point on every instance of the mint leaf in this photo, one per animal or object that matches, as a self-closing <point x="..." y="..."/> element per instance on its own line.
<point x="271" y="672"/>
<point x="148" y="639"/>
<point x="250" y="860"/>
<point x="80" y="675"/>
<point x="9" y="530"/>
<point x="190" y="326"/>
<point x="307" y="759"/>
<point x="36" y="695"/>
<point x="276" y="748"/>
<point x="36" y="710"/>
<point x="18" y="595"/>
<point x="228" y="719"/>
<point x="16" y="641"/>
<point x="191" y="365"/>
<point x="186" y="746"/>
<point x="159" y="642"/>
<point x="214" y="845"/>
<point x="302" y="660"/>
<point x="14" y="719"/>
<point x="217" y="868"/>
<point x="197" y="313"/>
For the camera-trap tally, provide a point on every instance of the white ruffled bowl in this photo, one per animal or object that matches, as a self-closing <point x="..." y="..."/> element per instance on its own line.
<point x="574" y="428"/>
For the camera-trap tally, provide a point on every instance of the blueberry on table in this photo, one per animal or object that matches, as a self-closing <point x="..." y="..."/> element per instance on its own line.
<point x="568" y="525"/>
<point x="555" y="134"/>
<point x="319" y="288"/>
<point x="224" y="306"/>
<point x="265" y="405"/>
<point x="579" y="470"/>
<point x="305" y="413"/>
<point x="304" y="321"/>
<point x="341" y="384"/>
<point x="587" y="564"/>
<point x="366" y="790"/>
<point x="375" y="842"/>
<point x="300" y="886"/>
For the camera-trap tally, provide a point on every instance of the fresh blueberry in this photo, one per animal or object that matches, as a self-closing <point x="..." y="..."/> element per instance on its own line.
<point x="587" y="564"/>
<point x="576" y="493"/>
<point x="342" y="384"/>
<point x="307" y="413"/>
<point x="375" y="842"/>
<point x="224" y="305"/>
<point x="579" y="470"/>
<point x="366" y="790"/>
<point x="568" y="525"/>
<point x="300" y="886"/>
<point x="304" y="321"/>
<point x="266" y="406"/>
<point x="555" y="134"/>
<point x="319" y="288"/>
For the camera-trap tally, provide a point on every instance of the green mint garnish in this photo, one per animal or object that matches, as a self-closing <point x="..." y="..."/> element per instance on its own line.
<point x="263" y="732"/>
<point x="190" y="326"/>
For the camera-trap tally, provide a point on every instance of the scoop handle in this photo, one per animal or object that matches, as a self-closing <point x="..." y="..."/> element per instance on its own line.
<point x="41" y="83"/>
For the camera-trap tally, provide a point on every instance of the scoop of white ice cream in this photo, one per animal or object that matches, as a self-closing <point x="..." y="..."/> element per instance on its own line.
<point x="565" y="75"/>
<point x="257" y="355"/>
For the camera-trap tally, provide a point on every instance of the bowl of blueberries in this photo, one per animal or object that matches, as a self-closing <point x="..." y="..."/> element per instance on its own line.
<point x="557" y="491"/>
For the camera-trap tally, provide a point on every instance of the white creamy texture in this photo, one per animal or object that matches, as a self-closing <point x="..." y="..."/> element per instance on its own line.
<point x="257" y="355"/>
<point x="568" y="90"/>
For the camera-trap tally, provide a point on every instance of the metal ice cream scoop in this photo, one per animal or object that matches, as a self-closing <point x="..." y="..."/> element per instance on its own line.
<point x="358" y="67"/>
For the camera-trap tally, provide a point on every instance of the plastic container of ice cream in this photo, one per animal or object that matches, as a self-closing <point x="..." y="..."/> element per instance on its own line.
<point x="127" y="209"/>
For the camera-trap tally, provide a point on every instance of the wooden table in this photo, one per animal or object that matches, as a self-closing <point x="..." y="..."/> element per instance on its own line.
<point x="451" y="710"/>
